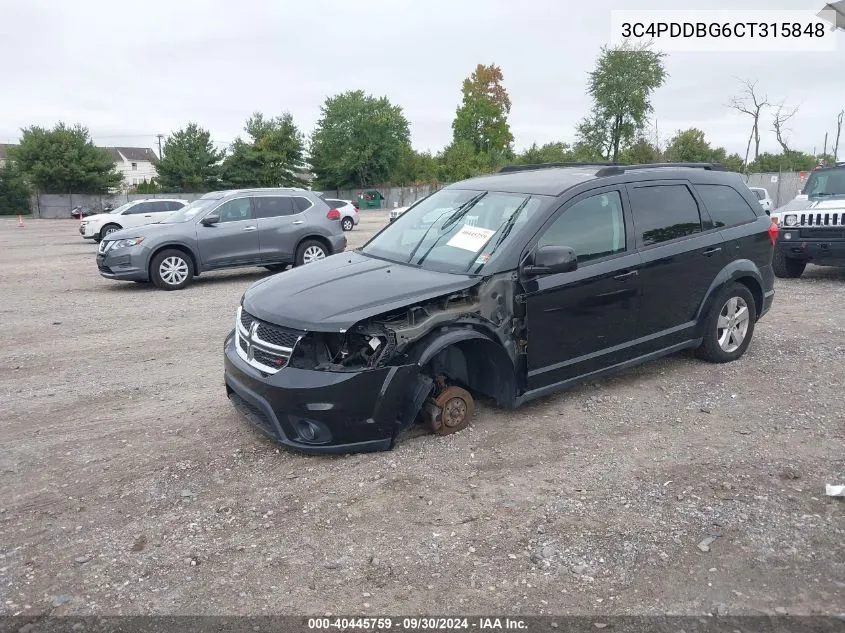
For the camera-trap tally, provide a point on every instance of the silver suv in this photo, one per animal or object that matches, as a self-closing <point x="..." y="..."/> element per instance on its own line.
<point x="272" y="228"/>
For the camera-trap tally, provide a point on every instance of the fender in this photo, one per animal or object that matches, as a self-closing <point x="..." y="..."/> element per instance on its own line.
<point x="435" y="342"/>
<point x="737" y="269"/>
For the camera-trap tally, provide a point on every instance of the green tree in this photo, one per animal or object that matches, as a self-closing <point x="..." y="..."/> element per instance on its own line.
<point x="146" y="186"/>
<point x="785" y="161"/>
<point x="547" y="153"/>
<point x="641" y="152"/>
<point x="482" y="117"/>
<point x="621" y="86"/>
<point x="414" y="168"/>
<point x="690" y="146"/>
<point x="358" y="141"/>
<point x="64" y="160"/>
<point x="273" y="155"/>
<point x="460" y="160"/>
<point x="190" y="163"/>
<point x="14" y="192"/>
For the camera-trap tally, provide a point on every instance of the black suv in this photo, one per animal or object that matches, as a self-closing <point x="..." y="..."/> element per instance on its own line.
<point x="812" y="226"/>
<point x="509" y="286"/>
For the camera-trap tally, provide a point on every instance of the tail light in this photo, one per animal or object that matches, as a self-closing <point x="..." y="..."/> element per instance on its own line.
<point x="356" y="209"/>
<point x="773" y="232"/>
<point x="333" y="214"/>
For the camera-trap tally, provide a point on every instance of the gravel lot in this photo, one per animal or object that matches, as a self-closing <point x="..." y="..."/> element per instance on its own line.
<point x="131" y="486"/>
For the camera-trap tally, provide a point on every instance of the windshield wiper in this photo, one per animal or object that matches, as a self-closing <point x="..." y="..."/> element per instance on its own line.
<point x="457" y="214"/>
<point x="506" y="229"/>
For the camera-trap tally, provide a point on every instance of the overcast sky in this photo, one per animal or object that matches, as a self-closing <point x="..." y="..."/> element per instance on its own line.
<point x="129" y="71"/>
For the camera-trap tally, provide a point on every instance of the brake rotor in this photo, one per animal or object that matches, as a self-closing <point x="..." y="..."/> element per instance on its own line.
<point x="456" y="409"/>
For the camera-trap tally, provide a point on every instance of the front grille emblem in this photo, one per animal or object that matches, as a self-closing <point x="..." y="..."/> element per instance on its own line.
<point x="250" y="351"/>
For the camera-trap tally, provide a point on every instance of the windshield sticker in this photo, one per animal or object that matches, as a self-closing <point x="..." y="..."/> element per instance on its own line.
<point x="470" y="238"/>
<point x="483" y="259"/>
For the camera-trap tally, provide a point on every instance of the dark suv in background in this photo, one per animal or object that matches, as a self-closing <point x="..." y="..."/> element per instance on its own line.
<point x="510" y="286"/>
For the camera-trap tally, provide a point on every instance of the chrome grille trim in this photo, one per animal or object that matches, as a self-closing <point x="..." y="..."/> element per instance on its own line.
<point x="248" y="342"/>
<point x="821" y="219"/>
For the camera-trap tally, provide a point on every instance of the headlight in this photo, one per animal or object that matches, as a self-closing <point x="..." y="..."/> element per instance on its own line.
<point x="790" y="219"/>
<point x="132" y="241"/>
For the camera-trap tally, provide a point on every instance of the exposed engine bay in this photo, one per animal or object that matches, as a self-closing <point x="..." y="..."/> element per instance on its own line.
<point x="383" y="340"/>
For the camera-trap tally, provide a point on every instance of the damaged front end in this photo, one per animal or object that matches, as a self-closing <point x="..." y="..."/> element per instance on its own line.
<point x="362" y="387"/>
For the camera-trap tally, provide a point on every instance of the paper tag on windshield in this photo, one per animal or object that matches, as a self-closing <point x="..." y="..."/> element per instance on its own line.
<point x="470" y="238"/>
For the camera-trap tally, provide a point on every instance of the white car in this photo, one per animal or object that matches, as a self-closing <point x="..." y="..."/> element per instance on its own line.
<point x="763" y="198"/>
<point x="395" y="213"/>
<point x="348" y="212"/>
<point x="135" y="213"/>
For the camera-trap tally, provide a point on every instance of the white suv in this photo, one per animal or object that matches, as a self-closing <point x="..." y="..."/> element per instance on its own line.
<point x="762" y="196"/>
<point x="135" y="213"/>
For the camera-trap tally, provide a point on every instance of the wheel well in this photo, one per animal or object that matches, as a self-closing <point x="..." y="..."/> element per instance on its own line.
<point x="174" y="247"/>
<point x="102" y="228"/>
<point x="755" y="290"/>
<point x="316" y="238"/>
<point x="479" y="364"/>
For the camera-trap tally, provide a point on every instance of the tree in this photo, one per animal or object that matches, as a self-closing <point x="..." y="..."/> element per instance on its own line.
<point x="14" y="192"/>
<point x="414" y="168"/>
<point x="358" y="141"/>
<point x="460" y="160"/>
<point x="689" y="146"/>
<point x="64" y="160"/>
<point x="782" y="117"/>
<point x="641" y="152"/>
<point x="273" y="155"/>
<point x="750" y="103"/>
<point x="548" y="153"/>
<point x="482" y="117"/>
<point x="790" y="160"/>
<point x="621" y="86"/>
<point x="146" y="186"/>
<point x="190" y="163"/>
<point x="838" y="133"/>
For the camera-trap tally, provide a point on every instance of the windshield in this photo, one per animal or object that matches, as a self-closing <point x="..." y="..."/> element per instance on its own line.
<point x="826" y="182"/>
<point x="454" y="230"/>
<point x="121" y="208"/>
<point x="190" y="211"/>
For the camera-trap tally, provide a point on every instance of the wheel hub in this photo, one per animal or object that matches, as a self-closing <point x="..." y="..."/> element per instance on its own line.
<point x="451" y="411"/>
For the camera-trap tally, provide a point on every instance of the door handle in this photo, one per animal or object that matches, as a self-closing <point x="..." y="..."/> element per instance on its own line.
<point x="250" y="228"/>
<point x="148" y="216"/>
<point x="712" y="251"/>
<point x="624" y="276"/>
<point x="298" y="222"/>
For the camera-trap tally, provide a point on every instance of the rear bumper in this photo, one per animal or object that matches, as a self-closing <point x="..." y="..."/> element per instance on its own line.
<point x="338" y="243"/>
<point x="348" y="412"/>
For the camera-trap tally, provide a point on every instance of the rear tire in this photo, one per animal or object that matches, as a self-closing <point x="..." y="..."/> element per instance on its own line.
<point x="171" y="270"/>
<point x="729" y="325"/>
<point x="108" y="228"/>
<point x="310" y="251"/>
<point x="347" y="224"/>
<point x="786" y="267"/>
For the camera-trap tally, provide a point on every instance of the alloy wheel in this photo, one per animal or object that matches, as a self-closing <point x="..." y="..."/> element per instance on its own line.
<point x="173" y="270"/>
<point x="732" y="324"/>
<point x="312" y="254"/>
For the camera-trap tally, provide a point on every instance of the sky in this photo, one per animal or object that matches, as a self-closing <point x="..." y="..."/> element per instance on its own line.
<point x="131" y="71"/>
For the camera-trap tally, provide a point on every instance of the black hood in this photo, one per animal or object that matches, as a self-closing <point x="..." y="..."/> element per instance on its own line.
<point x="333" y="294"/>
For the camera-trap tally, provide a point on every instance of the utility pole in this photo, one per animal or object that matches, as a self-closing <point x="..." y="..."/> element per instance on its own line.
<point x="824" y="153"/>
<point x="159" y="137"/>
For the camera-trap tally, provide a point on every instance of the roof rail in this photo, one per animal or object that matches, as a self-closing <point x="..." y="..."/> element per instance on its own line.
<point x="621" y="169"/>
<point x="511" y="168"/>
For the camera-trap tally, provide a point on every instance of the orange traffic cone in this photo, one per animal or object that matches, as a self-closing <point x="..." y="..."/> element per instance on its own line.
<point x="20" y="222"/>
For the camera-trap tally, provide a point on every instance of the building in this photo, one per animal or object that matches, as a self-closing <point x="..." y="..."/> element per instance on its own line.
<point x="134" y="163"/>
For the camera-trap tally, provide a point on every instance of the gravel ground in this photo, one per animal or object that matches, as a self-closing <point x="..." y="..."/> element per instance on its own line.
<point x="131" y="486"/>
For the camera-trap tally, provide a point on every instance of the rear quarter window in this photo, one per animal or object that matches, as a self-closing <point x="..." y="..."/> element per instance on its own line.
<point x="726" y="206"/>
<point x="301" y="204"/>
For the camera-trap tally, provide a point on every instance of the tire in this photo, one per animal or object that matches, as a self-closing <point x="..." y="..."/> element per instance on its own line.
<point x="719" y="345"/>
<point x="347" y="224"/>
<point x="108" y="228"/>
<point x="310" y="251"/>
<point x="171" y="269"/>
<point x="276" y="268"/>
<point x="787" y="268"/>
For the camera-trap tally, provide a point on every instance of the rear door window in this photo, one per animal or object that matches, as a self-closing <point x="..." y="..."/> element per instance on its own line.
<point x="272" y="206"/>
<point x="301" y="204"/>
<point x="663" y="213"/>
<point x="725" y="205"/>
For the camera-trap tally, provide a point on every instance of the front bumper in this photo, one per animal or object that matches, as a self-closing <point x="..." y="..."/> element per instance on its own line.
<point x="129" y="264"/>
<point x="347" y="412"/>
<point x="86" y="232"/>
<point x="823" y="246"/>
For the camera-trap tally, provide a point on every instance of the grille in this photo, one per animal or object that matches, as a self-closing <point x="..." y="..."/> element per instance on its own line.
<point x="252" y="413"/>
<point x="265" y="346"/>
<point x="821" y="219"/>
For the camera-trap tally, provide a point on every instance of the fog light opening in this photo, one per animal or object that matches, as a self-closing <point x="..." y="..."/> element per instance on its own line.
<point x="308" y="432"/>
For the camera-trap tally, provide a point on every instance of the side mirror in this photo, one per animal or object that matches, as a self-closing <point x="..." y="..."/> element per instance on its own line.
<point x="210" y="220"/>
<point x="550" y="260"/>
